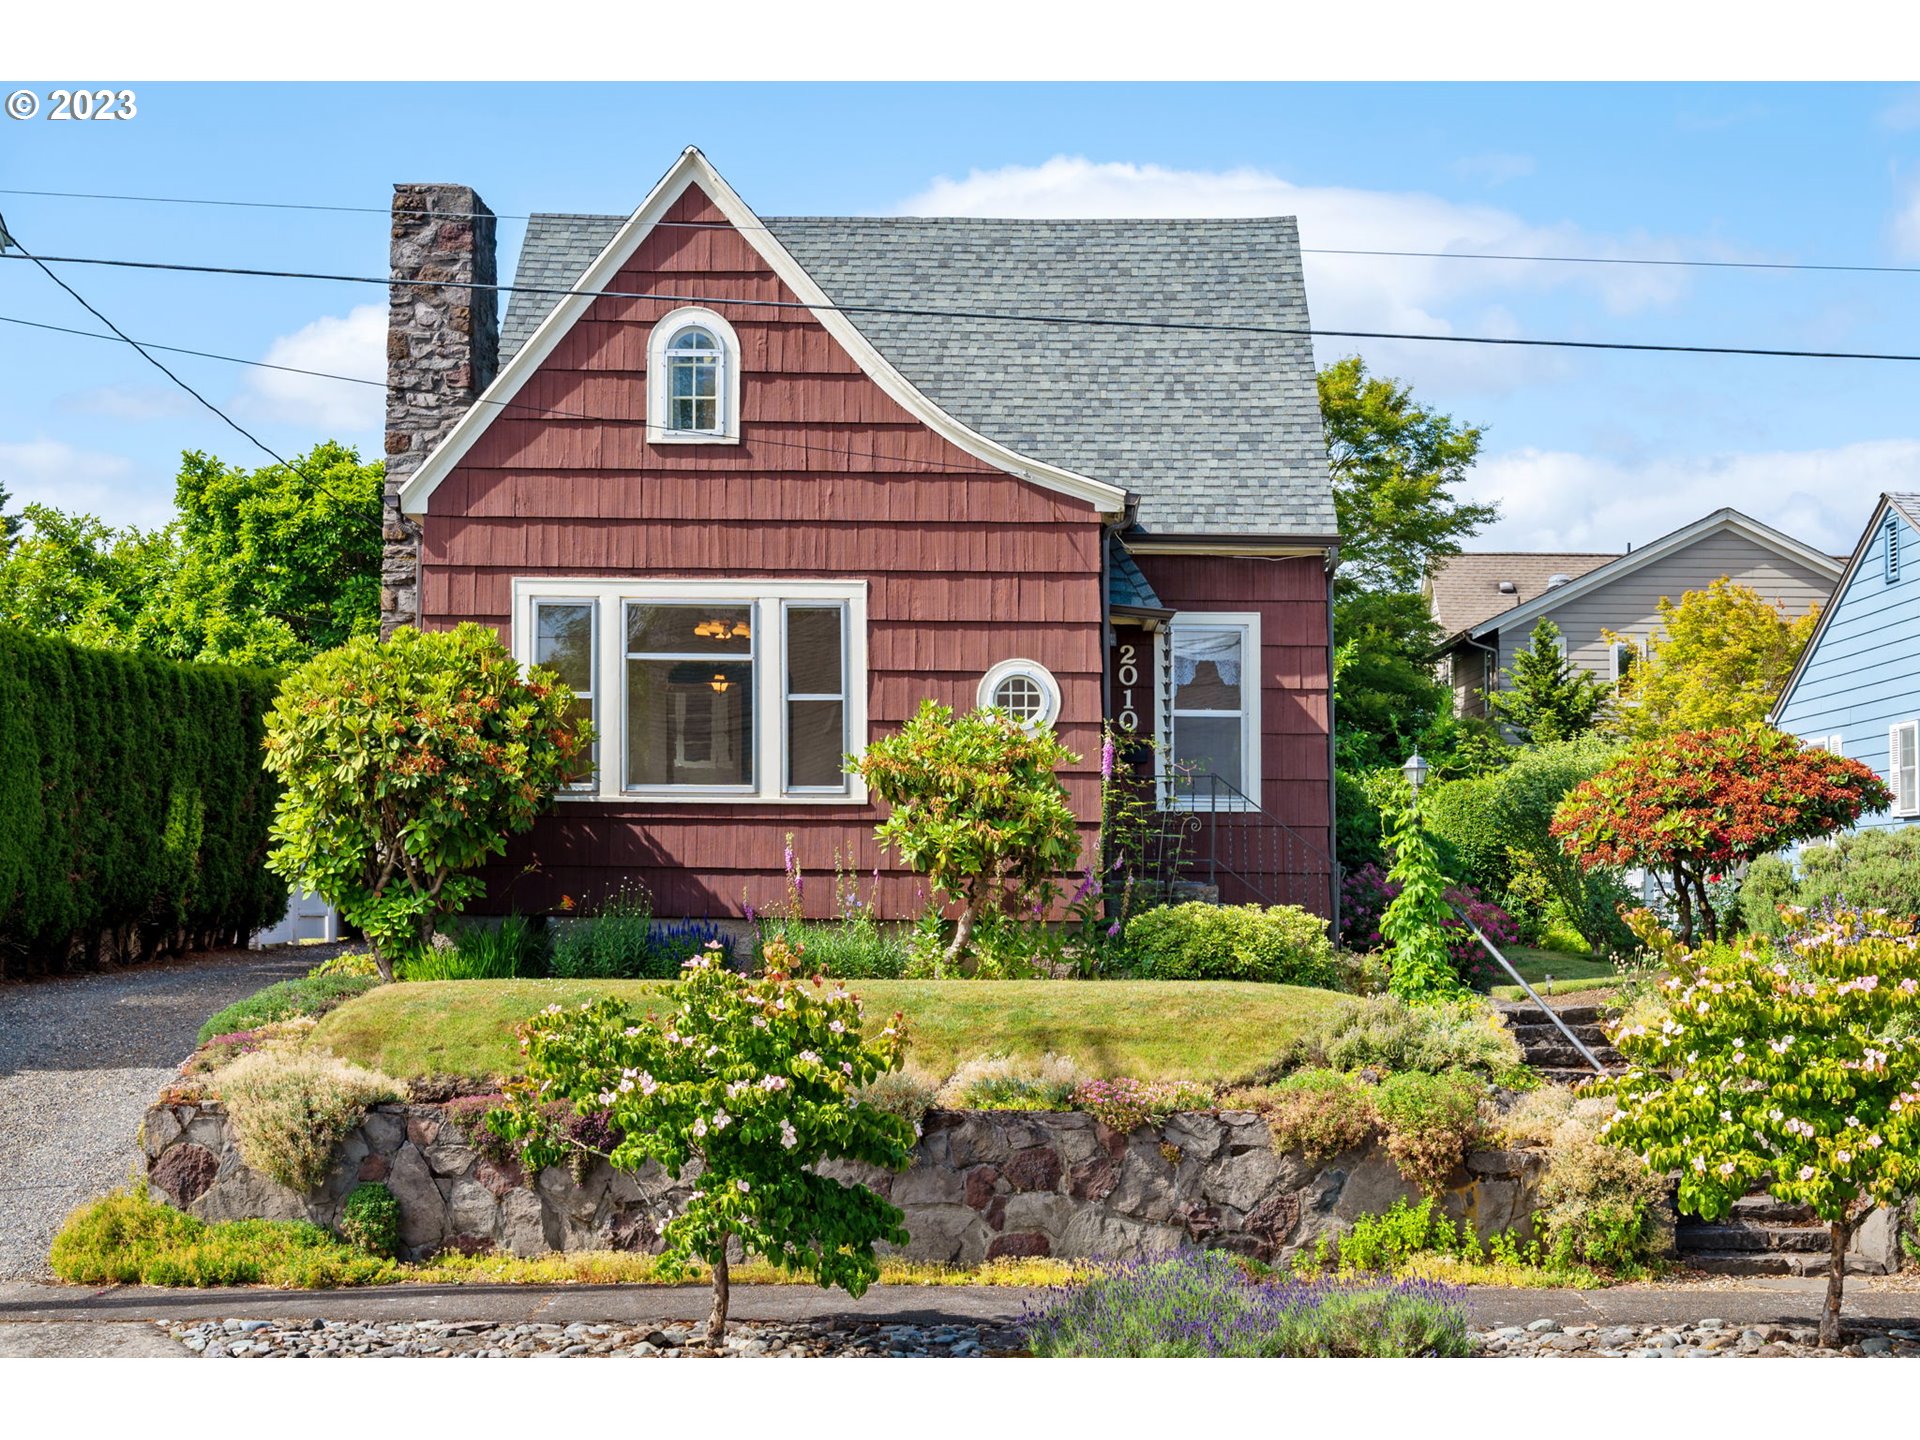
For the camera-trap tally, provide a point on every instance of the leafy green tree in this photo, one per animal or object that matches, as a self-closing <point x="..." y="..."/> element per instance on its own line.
<point x="406" y="764"/>
<point x="9" y="524"/>
<point x="753" y="1081"/>
<point x="260" y="567"/>
<point x="1721" y="657"/>
<point x="977" y="808"/>
<point x="275" y="564"/>
<point x="1546" y="698"/>
<point x="1386" y="695"/>
<point x="1396" y="467"/>
<point x="1786" y="1067"/>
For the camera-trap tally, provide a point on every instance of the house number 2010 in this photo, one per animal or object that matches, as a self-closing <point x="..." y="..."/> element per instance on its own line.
<point x="1127" y="674"/>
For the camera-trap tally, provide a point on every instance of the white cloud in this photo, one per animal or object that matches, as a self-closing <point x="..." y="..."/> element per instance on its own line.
<point x="1557" y="500"/>
<point x="1494" y="168"/>
<point x="353" y="344"/>
<point x="1906" y="226"/>
<point x="1356" y="292"/>
<point x="130" y="402"/>
<point x="1903" y="113"/>
<point x="52" y="472"/>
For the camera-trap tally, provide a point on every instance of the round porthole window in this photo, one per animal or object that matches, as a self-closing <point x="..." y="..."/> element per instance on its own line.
<point x="1023" y="689"/>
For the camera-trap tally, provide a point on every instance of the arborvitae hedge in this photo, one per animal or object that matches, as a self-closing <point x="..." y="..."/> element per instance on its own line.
<point x="133" y="805"/>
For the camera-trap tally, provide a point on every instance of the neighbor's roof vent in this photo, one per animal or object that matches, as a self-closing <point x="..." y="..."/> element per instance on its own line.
<point x="1554" y="582"/>
<point x="1507" y="587"/>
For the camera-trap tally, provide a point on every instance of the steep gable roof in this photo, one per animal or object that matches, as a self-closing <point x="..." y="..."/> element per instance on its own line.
<point x="1907" y="504"/>
<point x="1216" y="433"/>
<point x="1720" y="520"/>
<point x="1464" y="589"/>
<point x="692" y="172"/>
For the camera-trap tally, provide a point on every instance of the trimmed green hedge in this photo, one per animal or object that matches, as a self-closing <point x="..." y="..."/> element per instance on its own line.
<point x="133" y="805"/>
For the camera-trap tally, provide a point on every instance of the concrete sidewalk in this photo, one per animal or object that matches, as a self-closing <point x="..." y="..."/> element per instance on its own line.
<point x="1780" y="1301"/>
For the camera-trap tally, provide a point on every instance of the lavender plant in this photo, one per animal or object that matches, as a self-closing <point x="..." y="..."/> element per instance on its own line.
<point x="1205" y="1304"/>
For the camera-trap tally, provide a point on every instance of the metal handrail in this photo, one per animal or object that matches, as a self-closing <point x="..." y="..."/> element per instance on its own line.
<point x="1552" y="1014"/>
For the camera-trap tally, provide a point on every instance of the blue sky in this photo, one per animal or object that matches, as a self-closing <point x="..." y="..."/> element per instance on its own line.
<point x="1583" y="451"/>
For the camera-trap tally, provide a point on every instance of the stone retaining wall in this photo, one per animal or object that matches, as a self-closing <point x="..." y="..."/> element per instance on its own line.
<point x="982" y="1184"/>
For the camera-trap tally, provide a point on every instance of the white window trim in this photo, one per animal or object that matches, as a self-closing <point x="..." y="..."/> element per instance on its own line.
<point x="591" y="785"/>
<point x="1253" y="674"/>
<point x="1614" y="647"/>
<point x="767" y="599"/>
<point x="664" y="329"/>
<point x="1034" y="671"/>
<point x="845" y="697"/>
<point x="1912" y="797"/>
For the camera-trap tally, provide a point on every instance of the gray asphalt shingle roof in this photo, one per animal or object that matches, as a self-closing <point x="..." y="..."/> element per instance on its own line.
<point x="1218" y="433"/>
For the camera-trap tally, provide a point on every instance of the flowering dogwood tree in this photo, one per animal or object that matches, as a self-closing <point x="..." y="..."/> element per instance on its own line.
<point x="744" y="1089"/>
<point x="1788" y="1068"/>
<point x="1695" y="804"/>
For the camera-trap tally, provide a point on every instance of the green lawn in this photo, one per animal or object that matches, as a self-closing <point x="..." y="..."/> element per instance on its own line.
<point x="1148" y="1029"/>
<point x="1569" y="972"/>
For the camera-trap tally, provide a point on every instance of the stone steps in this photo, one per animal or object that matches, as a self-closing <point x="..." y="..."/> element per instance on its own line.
<point x="1729" y="1237"/>
<point x="1546" y="1049"/>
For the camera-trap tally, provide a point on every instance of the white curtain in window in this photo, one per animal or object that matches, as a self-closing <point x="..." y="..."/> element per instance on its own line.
<point x="1192" y="648"/>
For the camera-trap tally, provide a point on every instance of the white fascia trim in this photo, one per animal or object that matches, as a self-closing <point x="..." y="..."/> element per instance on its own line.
<point x="664" y="329"/>
<point x="1524" y="616"/>
<point x="606" y="594"/>
<point x="692" y="169"/>
<point x="1253" y="685"/>
<point x="1251" y="549"/>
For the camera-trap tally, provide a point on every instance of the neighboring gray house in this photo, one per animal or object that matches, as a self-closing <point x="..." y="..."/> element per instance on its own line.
<point x="1487" y="604"/>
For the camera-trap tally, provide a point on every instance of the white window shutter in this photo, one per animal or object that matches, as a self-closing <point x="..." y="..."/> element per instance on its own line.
<point x="1903" y="752"/>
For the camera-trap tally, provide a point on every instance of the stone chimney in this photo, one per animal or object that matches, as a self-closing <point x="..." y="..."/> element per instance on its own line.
<point x="443" y="347"/>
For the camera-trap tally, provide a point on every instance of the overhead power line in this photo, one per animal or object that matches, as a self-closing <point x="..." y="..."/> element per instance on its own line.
<point x="24" y="254"/>
<point x="834" y="450"/>
<point x="1017" y="317"/>
<point x="1663" y="261"/>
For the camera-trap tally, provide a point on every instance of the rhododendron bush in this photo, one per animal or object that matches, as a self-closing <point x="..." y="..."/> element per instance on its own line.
<point x="1786" y="1067"/>
<point x="1699" y="803"/>
<point x="746" y="1087"/>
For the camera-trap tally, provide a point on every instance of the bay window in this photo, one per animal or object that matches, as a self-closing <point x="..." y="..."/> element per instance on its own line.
<point x="1210" y="730"/>
<point x="724" y="690"/>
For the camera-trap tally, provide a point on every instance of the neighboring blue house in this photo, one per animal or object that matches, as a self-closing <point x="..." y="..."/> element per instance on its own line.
<point x="1856" y="688"/>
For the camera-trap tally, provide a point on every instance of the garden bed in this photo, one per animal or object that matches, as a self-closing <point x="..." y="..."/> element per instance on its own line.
<point x="1152" y="1030"/>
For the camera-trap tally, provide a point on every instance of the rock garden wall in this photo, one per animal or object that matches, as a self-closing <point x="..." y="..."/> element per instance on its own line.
<point x="982" y="1184"/>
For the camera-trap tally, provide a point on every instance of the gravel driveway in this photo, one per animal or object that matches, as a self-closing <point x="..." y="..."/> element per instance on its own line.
<point x="80" y="1059"/>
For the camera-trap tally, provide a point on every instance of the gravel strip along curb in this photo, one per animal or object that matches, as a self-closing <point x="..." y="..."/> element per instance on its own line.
<point x="435" y="1339"/>
<point x="1704" y="1340"/>
<point x="81" y="1057"/>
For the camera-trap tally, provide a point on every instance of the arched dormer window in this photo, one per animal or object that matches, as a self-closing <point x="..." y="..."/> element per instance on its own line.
<point x="693" y="392"/>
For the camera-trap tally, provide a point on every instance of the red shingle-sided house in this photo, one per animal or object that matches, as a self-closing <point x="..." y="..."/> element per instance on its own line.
<point x="755" y="487"/>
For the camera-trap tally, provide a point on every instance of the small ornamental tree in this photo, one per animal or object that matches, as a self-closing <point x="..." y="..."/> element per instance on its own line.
<point x="1696" y="804"/>
<point x="1546" y="698"/>
<point x="1416" y="920"/>
<point x="977" y="809"/>
<point x="1720" y="658"/>
<point x="1791" y="1069"/>
<point x="406" y="764"/>
<point x="743" y="1091"/>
